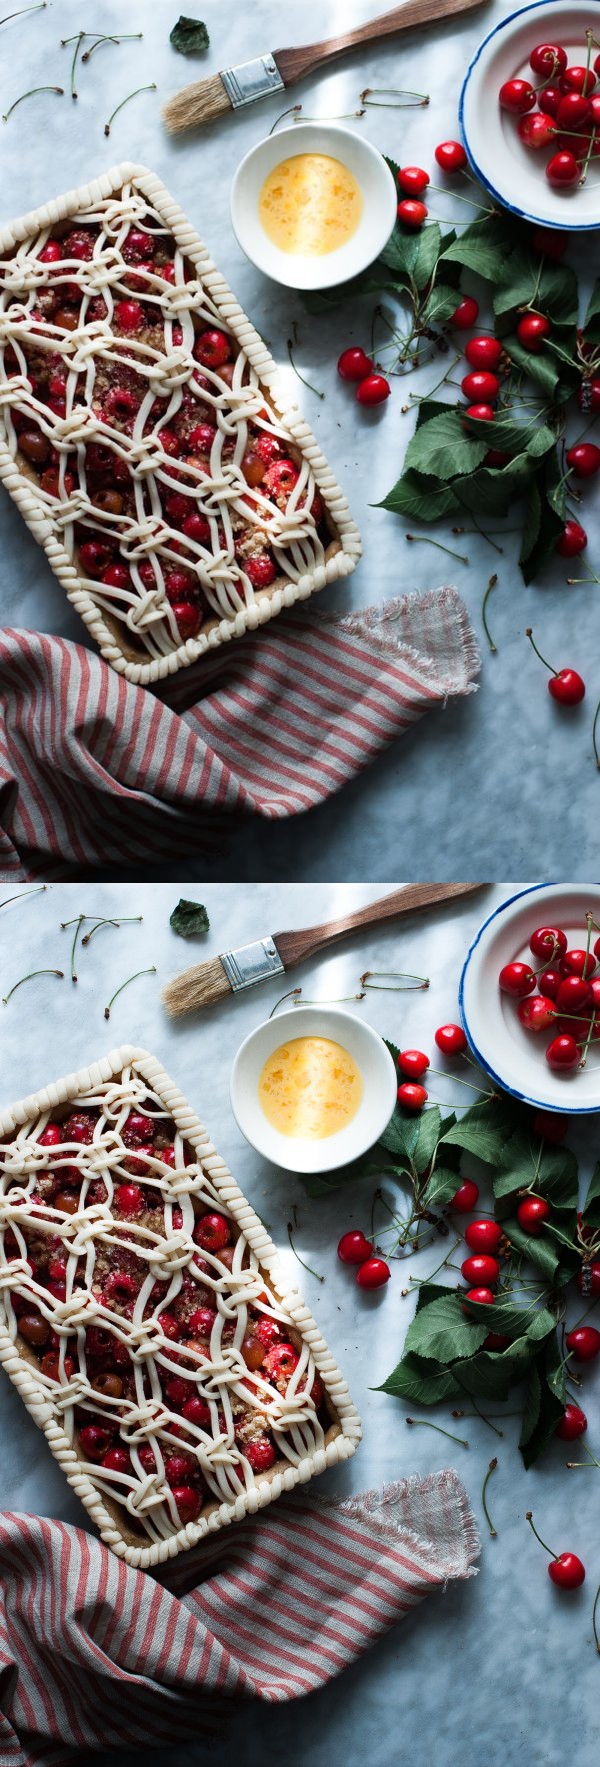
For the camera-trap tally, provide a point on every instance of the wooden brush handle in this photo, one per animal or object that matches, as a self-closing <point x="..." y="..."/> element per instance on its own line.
<point x="294" y="64"/>
<point x="294" y="947"/>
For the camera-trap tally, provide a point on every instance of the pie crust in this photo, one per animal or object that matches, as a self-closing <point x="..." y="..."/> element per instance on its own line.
<point x="133" y="623"/>
<point x="308" y="1416"/>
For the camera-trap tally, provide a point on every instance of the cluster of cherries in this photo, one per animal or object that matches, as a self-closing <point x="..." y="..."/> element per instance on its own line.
<point x="188" y="1321"/>
<point x="562" y="113"/>
<point x="562" y="996"/>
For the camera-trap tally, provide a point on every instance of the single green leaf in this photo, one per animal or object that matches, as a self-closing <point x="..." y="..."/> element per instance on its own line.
<point x="545" y="1403"/>
<point x="419" y="500"/>
<point x="189" y="36"/>
<point x="420" y="1383"/>
<point x="489" y="1375"/>
<point x="493" y="490"/>
<point x="188" y="919"/>
<point x="440" y="304"/>
<point x="543" y="368"/>
<point x="539" y="1248"/>
<point x="591" y="1207"/>
<point x="430" y="1126"/>
<point x="401" y="1135"/>
<point x="591" y="323"/>
<point x="442" y="1331"/>
<point x="413" y="256"/>
<point x="543" y="523"/>
<point x="431" y="1291"/>
<point x="526" y="1160"/>
<point x="440" y="1186"/>
<point x="482" y="1130"/>
<point x="442" y="448"/>
<point x="551" y="290"/>
<point x="482" y="246"/>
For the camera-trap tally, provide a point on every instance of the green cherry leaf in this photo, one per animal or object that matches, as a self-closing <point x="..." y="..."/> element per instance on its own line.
<point x="421" y="1383"/>
<point x="418" y="499"/>
<point x="189" y="36"/>
<point x="188" y="919"/>
<point x="442" y="1331"/>
<point x="442" y="447"/>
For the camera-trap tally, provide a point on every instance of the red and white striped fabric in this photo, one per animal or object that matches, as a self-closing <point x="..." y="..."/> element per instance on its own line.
<point x="94" y="1654"/>
<point x="95" y="771"/>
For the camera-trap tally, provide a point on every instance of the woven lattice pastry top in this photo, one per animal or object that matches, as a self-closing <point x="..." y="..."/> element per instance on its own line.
<point x="155" y="451"/>
<point x="144" y="1314"/>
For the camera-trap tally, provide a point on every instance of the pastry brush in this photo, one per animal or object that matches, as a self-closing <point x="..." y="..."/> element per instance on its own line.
<point x="274" y="72"/>
<point x="273" y="956"/>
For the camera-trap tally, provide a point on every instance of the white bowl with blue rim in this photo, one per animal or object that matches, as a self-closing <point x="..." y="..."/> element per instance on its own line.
<point x="515" y="175"/>
<point x="514" y="1058"/>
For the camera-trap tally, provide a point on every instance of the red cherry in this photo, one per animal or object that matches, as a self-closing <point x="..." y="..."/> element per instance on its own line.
<point x="412" y="180"/>
<point x="477" y="412"/>
<point x="465" y="314"/>
<point x="532" y="330"/>
<point x="116" y="1460"/>
<point x="533" y="1213"/>
<point x="578" y="962"/>
<point x="588" y="1279"/>
<point x="480" y="1269"/>
<point x="552" y="1126"/>
<point x="197" y="1411"/>
<point x="548" y="99"/>
<point x="537" y="129"/>
<point x="353" y="364"/>
<point x="483" y="1236"/>
<point x="451" y="1039"/>
<point x="412" y="1098"/>
<point x="451" y="156"/>
<point x="578" y="79"/>
<point x="548" y="59"/>
<point x="188" y="1502"/>
<point x="129" y="316"/>
<point x="212" y="348"/>
<point x="414" y="1062"/>
<point x="50" y="1365"/>
<point x="573" y="1424"/>
<point x="412" y="214"/>
<point x="516" y="979"/>
<point x="536" y="1013"/>
<point x="563" y="169"/>
<point x="50" y="252"/>
<point x="574" y="111"/>
<point x="495" y="457"/>
<point x="583" y="459"/>
<point x="94" y="1441"/>
<point x="574" y="994"/>
<point x="129" y="1200"/>
<point x="567" y="687"/>
<point x="548" y="941"/>
<point x="259" y="1453"/>
<point x="373" y="390"/>
<point x="93" y="558"/>
<point x="261" y="570"/>
<point x="562" y="1052"/>
<point x="212" y="1232"/>
<point x="353" y="1248"/>
<point x="465" y="1198"/>
<point x="179" y="1467"/>
<point x="495" y="1340"/>
<point x="572" y="541"/>
<point x="583" y="1343"/>
<point x="52" y="1133"/>
<point x="201" y="1322"/>
<point x="567" y="1571"/>
<point x="177" y="1391"/>
<point x="116" y="576"/>
<point x="517" y="96"/>
<point x="549" y="981"/>
<point x="481" y="386"/>
<point x="482" y="1296"/>
<point x="196" y="527"/>
<point x="188" y="618"/>
<point x="483" y="352"/>
<point x="373" y="1273"/>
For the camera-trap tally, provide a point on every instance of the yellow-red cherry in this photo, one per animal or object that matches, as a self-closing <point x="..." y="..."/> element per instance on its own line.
<point x="536" y="1013"/>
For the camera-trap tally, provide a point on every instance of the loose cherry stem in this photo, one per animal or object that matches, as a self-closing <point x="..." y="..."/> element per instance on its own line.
<point x="31" y="94"/>
<point x="596" y="1639"/>
<point x="23" y="893"/>
<point x="125" y="920"/>
<point x="128" y="37"/>
<point x="29" y="978"/>
<point x="369" y="980"/>
<point x="422" y="1423"/>
<point x="78" y="43"/>
<point x="23" y="9"/>
<point x="331" y="1000"/>
<point x="491" y="1468"/>
<point x="127" y="100"/>
<point x="401" y="100"/>
<point x="595" y="734"/>
<point x="301" y="1260"/>
<point x="292" y="344"/>
<point x="139" y="972"/>
<point x="426" y="540"/>
<point x="292" y="108"/>
<point x="287" y="996"/>
<point x="491" y="585"/>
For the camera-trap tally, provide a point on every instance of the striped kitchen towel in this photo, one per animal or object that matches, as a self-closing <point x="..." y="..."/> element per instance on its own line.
<point x="96" y="1655"/>
<point x="95" y="771"/>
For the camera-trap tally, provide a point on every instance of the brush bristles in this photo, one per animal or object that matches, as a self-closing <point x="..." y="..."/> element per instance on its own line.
<point x="196" y="988"/>
<point x="197" y="104"/>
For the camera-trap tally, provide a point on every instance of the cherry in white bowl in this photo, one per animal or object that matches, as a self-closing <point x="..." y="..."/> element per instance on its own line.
<point x="512" y="1056"/>
<point x="514" y="175"/>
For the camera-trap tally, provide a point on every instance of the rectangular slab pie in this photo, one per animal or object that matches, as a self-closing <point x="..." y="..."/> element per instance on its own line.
<point x="180" y="499"/>
<point x="144" y="1318"/>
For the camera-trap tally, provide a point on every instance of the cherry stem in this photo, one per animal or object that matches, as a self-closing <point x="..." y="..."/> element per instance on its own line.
<point x="548" y="1549"/>
<point x="368" y="980"/>
<point x="128" y="37"/>
<point x="29" y="978"/>
<point x="23" y="10"/>
<point x="127" y="100"/>
<point x="596" y="1639"/>
<point x="301" y="1260"/>
<point x="422" y="1423"/>
<point x="22" y="893"/>
<point x="287" y="996"/>
<point x="139" y="972"/>
<point x="548" y="666"/>
<point x="595" y="734"/>
<point x="411" y="99"/>
<point x="284" y="113"/>
<point x="418" y="1281"/>
<point x="480" y="1414"/>
<point x="291" y="346"/>
<point x="31" y="94"/>
<point x="126" y="920"/>
<point x="78" y="43"/>
<point x="491" y="585"/>
<point x="491" y="1468"/>
<point x="425" y="540"/>
<point x="329" y="1000"/>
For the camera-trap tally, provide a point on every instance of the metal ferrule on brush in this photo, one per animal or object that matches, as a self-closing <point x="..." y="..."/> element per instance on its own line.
<point x="252" y="963"/>
<point x="252" y="79"/>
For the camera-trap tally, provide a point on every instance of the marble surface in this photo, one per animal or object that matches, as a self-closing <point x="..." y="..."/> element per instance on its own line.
<point x="501" y="1670"/>
<point x="508" y="746"/>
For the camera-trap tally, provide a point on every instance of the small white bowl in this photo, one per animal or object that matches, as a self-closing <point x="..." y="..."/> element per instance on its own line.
<point x="380" y="200"/>
<point x="513" y="1057"/>
<point x="380" y="1083"/>
<point x="514" y="174"/>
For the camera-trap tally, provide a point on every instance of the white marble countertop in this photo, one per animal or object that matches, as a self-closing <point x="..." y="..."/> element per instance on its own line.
<point x="508" y="745"/>
<point x="501" y="1671"/>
